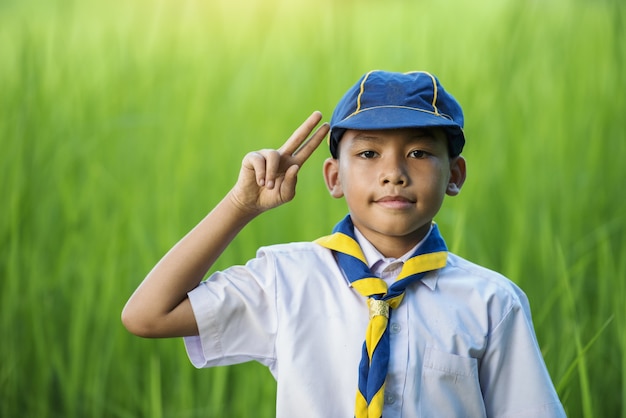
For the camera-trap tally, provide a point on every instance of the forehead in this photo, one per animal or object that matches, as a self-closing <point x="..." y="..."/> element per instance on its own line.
<point x="404" y="134"/>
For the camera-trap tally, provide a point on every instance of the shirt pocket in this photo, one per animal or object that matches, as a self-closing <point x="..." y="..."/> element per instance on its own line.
<point x="450" y="386"/>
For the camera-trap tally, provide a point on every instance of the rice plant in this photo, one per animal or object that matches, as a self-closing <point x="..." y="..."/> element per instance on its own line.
<point x="123" y="123"/>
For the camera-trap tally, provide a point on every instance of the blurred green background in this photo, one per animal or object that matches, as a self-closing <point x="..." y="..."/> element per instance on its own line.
<point x="123" y="122"/>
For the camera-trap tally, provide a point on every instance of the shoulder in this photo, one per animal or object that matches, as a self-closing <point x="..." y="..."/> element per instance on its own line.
<point x="466" y="271"/>
<point x="298" y="254"/>
<point x="302" y="270"/>
<point x="481" y="285"/>
<point x="457" y="262"/>
<point x="294" y="249"/>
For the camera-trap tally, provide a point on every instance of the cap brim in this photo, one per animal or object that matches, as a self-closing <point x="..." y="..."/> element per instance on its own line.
<point x="394" y="117"/>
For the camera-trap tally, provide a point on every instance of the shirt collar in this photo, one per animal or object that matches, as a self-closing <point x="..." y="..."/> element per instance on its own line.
<point x="373" y="256"/>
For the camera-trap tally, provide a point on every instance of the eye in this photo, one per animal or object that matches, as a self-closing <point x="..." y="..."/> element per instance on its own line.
<point x="418" y="154"/>
<point x="367" y="154"/>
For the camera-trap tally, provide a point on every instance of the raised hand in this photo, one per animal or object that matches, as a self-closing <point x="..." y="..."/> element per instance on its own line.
<point x="160" y="307"/>
<point x="268" y="177"/>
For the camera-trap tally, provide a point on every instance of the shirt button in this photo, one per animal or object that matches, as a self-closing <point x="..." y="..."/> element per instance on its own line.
<point x="389" y="399"/>
<point x="395" y="328"/>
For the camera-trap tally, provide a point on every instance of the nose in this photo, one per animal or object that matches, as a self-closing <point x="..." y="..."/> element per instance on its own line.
<point x="393" y="171"/>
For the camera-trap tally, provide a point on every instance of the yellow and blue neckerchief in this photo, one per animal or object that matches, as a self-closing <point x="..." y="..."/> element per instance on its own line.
<point x="430" y="255"/>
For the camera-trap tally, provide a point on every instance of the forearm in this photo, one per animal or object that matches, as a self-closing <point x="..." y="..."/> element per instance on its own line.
<point x="159" y="307"/>
<point x="267" y="179"/>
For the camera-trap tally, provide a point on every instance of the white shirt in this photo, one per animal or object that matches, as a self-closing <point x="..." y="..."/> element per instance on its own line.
<point x="462" y="341"/>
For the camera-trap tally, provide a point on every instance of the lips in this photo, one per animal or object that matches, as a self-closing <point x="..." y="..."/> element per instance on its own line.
<point x="395" y="202"/>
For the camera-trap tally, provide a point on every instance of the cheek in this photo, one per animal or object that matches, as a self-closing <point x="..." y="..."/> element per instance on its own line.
<point x="434" y="183"/>
<point x="355" y="183"/>
<point x="434" y="173"/>
<point x="346" y="174"/>
<point x="443" y="173"/>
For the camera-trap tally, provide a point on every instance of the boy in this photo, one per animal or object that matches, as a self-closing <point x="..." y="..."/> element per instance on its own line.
<point x="443" y="337"/>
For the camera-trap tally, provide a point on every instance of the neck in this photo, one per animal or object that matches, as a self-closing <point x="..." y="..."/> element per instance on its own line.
<point x="395" y="246"/>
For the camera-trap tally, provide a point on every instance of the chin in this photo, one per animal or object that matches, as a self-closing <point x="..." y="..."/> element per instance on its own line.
<point x="400" y="230"/>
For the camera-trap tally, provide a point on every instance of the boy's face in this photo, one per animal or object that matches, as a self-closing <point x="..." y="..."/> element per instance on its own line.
<point x="394" y="182"/>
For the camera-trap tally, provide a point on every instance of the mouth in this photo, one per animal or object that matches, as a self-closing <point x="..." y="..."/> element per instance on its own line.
<point x="395" y="202"/>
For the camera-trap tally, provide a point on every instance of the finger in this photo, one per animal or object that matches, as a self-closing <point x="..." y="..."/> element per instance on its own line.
<point x="305" y="151"/>
<point x="255" y="161"/>
<point x="300" y="135"/>
<point x="288" y="184"/>
<point x="272" y="165"/>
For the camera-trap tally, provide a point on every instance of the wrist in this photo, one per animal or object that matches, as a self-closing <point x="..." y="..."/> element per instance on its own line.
<point x="240" y="209"/>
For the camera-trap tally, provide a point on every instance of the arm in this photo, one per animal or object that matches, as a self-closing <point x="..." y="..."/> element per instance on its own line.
<point x="159" y="307"/>
<point x="514" y="378"/>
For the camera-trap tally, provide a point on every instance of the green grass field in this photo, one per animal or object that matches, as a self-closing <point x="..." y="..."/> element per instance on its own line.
<point x="123" y="123"/>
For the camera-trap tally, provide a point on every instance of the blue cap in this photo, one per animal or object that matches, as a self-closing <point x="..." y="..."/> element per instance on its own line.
<point x="388" y="100"/>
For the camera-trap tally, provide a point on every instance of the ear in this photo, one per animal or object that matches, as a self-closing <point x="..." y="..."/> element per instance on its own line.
<point x="458" y="172"/>
<point x="331" y="177"/>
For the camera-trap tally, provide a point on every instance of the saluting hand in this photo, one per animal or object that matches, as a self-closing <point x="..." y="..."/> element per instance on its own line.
<point x="268" y="177"/>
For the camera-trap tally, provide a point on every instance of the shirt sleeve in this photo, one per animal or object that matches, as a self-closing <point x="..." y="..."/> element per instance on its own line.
<point x="236" y="315"/>
<point x="514" y="378"/>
